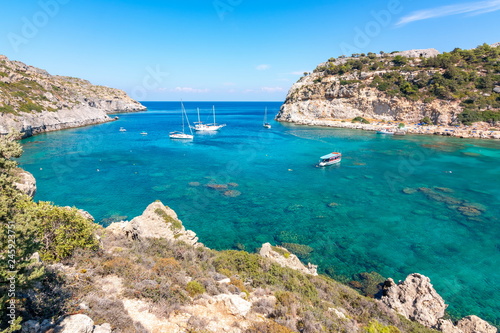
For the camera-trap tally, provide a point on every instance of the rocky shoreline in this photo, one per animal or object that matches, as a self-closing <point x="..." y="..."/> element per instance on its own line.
<point x="32" y="101"/>
<point x="479" y="131"/>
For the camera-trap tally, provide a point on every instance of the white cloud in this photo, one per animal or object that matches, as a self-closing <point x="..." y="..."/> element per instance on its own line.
<point x="190" y="90"/>
<point x="262" y="67"/>
<point x="272" y="89"/>
<point x="473" y="8"/>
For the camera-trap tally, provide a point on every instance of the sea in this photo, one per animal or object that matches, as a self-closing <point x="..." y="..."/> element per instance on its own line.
<point x="395" y="205"/>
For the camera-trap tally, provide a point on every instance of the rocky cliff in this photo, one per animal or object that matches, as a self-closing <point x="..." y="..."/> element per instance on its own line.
<point x="403" y="86"/>
<point x="32" y="101"/>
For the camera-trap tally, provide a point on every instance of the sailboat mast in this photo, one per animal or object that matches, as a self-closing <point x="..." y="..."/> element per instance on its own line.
<point x="213" y="109"/>
<point x="199" y="121"/>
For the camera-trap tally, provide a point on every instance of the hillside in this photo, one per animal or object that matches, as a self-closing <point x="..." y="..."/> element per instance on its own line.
<point x="461" y="87"/>
<point x="33" y="101"/>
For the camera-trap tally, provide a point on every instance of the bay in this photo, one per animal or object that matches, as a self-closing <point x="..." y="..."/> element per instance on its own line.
<point x="394" y="205"/>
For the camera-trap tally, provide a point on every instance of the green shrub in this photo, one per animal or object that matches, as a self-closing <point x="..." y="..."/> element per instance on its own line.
<point x="195" y="288"/>
<point x="360" y="120"/>
<point x="175" y="225"/>
<point x="376" y="327"/>
<point x="426" y="120"/>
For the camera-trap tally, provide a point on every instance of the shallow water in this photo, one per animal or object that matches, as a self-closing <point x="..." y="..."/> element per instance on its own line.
<point x="447" y="227"/>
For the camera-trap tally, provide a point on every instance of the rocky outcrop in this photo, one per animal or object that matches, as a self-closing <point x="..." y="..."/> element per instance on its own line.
<point x="157" y="221"/>
<point x="424" y="53"/>
<point x="26" y="183"/>
<point x="78" y="323"/>
<point x="284" y="258"/>
<point x="331" y="99"/>
<point x="362" y="86"/>
<point x="32" y="101"/>
<point x="415" y="299"/>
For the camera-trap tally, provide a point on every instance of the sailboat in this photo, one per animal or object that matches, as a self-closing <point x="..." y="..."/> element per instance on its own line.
<point x="182" y="135"/>
<point x="266" y="124"/>
<point x="200" y="126"/>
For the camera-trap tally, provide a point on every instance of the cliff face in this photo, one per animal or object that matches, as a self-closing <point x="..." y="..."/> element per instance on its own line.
<point x="403" y="86"/>
<point x="33" y="101"/>
<point x="330" y="99"/>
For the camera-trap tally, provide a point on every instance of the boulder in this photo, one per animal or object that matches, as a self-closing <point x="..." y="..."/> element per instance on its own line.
<point x="78" y="323"/>
<point x="415" y="298"/>
<point x="474" y="324"/>
<point x="157" y="221"/>
<point x="236" y="305"/>
<point x="104" y="328"/>
<point x="284" y="258"/>
<point x="26" y="183"/>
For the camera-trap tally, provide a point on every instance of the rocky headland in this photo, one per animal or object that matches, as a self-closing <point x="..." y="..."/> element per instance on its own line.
<point x="455" y="93"/>
<point x="32" y="101"/>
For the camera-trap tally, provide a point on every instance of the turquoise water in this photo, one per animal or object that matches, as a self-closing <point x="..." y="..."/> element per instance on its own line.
<point x="355" y="215"/>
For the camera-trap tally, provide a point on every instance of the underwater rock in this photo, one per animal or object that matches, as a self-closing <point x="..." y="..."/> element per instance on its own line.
<point x="218" y="187"/>
<point x="444" y="189"/>
<point x="233" y="184"/>
<point x="194" y="184"/>
<point x="232" y="193"/>
<point x="409" y="190"/>
<point x="469" y="211"/>
<point x="333" y="204"/>
<point x="293" y="208"/>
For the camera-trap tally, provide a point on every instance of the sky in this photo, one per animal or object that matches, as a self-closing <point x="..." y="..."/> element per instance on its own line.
<point x="227" y="50"/>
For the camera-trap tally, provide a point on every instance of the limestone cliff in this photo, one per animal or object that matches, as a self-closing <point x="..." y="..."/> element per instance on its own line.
<point x="33" y="101"/>
<point x="403" y="86"/>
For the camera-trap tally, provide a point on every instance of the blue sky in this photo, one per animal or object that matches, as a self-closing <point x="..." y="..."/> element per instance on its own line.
<point x="246" y="50"/>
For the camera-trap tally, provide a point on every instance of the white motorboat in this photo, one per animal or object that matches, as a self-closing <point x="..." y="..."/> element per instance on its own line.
<point x="330" y="159"/>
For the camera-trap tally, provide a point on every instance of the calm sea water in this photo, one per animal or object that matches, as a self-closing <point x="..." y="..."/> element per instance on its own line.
<point x="356" y="216"/>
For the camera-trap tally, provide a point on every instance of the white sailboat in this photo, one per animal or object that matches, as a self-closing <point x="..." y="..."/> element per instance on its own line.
<point x="265" y="123"/>
<point x="200" y="126"/>
<point x="182" y="135"/>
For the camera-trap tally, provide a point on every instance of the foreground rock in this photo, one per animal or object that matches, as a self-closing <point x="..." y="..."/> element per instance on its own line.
<point x="26" y="183"/>
<point x="416" y="299"/>
<point x="284" y="258"/>
<point x="32" y="101"/>
<point x="157" y="221"/>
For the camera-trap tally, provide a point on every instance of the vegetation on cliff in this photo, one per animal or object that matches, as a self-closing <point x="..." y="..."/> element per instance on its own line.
<point x="471" y="77"/>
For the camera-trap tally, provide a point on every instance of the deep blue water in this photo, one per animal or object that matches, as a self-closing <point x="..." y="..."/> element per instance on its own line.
<point x="372" y="225"/>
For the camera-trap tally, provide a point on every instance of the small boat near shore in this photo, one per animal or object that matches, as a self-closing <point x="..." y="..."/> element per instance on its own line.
<point x="179" y="134"/>
<point x="201" y="127"/>
<point x="265" y="124"/>
<point x="386" y="131"/>
<point x="330" y="159"/>
<point x="122" y="129"/>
